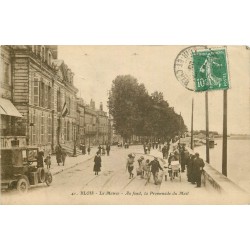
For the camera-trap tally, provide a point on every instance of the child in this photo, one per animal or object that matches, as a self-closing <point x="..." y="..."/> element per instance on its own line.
<point x="147" y="170"/>
<point x="88" y="150"/>
<point x="141" y="163"/>
<point x="130" y="165"/>
<point x="48" y="161"/>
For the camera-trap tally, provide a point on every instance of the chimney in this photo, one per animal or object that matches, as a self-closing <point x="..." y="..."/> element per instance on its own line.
<point x="92" y="104"/>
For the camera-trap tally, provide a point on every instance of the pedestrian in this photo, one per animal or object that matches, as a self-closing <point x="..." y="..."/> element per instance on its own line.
<point x="83" y="149"/>
<point x="98" y="163"/>
<point x="48" y="161"/>
<point x="58" y="151"/>
<point x="172" y="158"/>
<point x="155" y="166"/>
<point x="182" y="159"/>
<point x="164" y="151"/>
<point x="146" y="169"/>
<point x="40" y="156"/>
<point x="144" y="148"/>
<point x="88" y="150"/>
<point x="190" y="166"/>
<point x="130" y="165"/>
<point x="64" y="155"/>
<point x="186" y="156"/>
<point x="153" y="144"/>
<point x="156" y="145"/>
<point x="108" y="149"/>
<point x="141" y="164"/>
<point x="149" y="147"/>
<point x="100" y="149"/>
<point x="103" y="150"/>
<point x="198" y="168"/>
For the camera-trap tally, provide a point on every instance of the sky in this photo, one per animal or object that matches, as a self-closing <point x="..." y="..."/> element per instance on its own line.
<point x="95" y="67"/>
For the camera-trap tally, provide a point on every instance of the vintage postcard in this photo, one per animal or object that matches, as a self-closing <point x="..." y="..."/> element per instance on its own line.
<point x="125" y="124"/>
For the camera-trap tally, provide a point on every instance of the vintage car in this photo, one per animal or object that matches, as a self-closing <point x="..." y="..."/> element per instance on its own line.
<point x="20" y="169"/>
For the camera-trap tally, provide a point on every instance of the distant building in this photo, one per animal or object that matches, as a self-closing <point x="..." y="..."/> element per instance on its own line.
<point x="90" y="124"/>
<point x="103" y="129"/>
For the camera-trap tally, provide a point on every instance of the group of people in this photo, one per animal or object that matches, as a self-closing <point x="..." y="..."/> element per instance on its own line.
<point x="193" y="164"/>
<point x="190" y="162"/>
<point x="145" y="168"/>
<point x="61" y="154"/>
<point x="83" y="149"/>
<point x="104" y="149"/>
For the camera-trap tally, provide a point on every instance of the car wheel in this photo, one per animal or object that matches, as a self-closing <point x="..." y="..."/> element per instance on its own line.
<point x="22" y="185"/>
<point x="41" y="175"/>
<point x="49" y="179"/>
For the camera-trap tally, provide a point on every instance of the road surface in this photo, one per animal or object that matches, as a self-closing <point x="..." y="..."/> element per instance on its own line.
<point x="79" y="185"/>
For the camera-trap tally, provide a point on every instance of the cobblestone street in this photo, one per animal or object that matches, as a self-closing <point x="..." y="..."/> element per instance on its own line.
<point x="75" y="183"/>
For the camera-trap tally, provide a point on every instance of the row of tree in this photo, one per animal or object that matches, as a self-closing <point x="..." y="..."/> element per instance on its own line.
<point x="136" y="112"/>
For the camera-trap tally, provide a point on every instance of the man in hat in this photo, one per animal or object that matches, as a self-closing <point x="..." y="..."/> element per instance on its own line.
<point x="130" y="165"/>
<point x="198" y="165"/>
<point x="155" y="166"/>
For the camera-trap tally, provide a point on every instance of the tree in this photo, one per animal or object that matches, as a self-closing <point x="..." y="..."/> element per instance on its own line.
<point x="135" y="112"/>
<point x="125" y="101"/>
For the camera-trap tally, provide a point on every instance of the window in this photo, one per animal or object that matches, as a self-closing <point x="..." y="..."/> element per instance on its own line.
<point x="33" y="128"/>
<point x="6" y="73"/>
<point x="37" y="127"/>
<point x="49" y="58"/>
<point x="68" y="131"/>
<point x="49" y="131"/>
<point x="42" y="128"/>
<point x="49" y="97"/>
<point x="42" y="94"/>
<point x="69" y="105"/>
<point x="43" y="53"/>
<point x="65" y="130"/>
<point x="58" y="101"/>
<point x="36" y="92"/>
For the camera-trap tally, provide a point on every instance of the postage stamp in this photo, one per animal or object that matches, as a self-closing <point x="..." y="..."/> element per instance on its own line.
<point x="183" y="66"/>
<point x="210" y="70"/>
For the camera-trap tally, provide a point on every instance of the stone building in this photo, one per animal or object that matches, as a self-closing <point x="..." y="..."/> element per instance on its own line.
<point x="39" y="104"/>
<point x="11" y="129"/>
<point x="103" y="129"/>
<point x="65" y="124"/>
<point x="80" y="121"/>
<point x="90" y="124"/>
<point x="40" y="84"/>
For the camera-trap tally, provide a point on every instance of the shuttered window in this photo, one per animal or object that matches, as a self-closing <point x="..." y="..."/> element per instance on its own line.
<point x="33" y="128"/>
<point x="36" y="92"/>
<point x="49" y="97"/>
<point x="49" y="131"/>
<point x="42" y="129"/>
<point x="46" y="104"/>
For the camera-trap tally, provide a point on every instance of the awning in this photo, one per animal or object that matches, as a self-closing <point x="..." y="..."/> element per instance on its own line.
<point x="7" y="108"/>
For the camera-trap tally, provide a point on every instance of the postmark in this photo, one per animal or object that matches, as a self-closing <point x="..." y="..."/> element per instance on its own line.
<point x="183" y="66"/>
<point x="210" y="69"/>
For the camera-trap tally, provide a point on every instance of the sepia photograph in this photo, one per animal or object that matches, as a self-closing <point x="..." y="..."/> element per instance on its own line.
<point x="125" y="125"/>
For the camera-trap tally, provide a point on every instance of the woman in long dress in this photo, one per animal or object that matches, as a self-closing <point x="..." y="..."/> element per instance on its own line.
<point x="97" y="165"/>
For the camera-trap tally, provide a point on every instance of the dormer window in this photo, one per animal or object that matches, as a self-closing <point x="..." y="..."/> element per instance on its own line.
<point x="49" y="58"/>
<point x="43" y="53"/>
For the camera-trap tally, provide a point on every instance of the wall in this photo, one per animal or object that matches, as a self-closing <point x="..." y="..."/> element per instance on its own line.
<point x="212" y="179"/>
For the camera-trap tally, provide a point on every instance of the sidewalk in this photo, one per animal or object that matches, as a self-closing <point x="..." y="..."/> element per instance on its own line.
<point x="70" y="162"/>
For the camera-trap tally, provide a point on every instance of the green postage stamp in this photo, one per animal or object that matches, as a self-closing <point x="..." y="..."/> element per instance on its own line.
<point x="210" y="70"/>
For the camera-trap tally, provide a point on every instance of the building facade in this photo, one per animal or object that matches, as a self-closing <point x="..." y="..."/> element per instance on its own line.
<point x="39" y="101"/>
